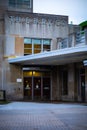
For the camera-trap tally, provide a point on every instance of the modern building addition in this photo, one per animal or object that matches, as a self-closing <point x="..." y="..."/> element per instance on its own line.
<point x="42" y="56"/>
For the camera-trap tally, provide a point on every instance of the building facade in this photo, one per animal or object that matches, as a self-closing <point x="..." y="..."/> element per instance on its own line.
<point x="42" y="57"/>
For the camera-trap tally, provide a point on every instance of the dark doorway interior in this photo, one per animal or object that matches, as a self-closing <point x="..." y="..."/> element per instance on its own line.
<point x="83" y="87"/>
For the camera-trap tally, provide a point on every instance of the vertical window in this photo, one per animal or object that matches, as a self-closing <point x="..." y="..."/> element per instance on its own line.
<point x="46" y="45"/>
<point x="65" y="82"/>
<point x="27" y="46"/>
<point x="36" y="45"/>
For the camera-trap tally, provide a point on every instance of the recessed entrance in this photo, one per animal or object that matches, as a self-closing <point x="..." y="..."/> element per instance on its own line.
<point x="37" y="85"/>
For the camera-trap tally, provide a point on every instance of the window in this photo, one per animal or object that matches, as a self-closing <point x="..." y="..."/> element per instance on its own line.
<point x="46" y="45"/>
<point x="25" y="4"/>
<point x="27" y="46"/>
<point x="34" y="45"/>
<point x="65" y="82"/>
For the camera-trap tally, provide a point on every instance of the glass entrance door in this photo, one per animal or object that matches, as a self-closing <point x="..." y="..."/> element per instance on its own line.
<point x="37" y="88"/>
<point x="28" y="87"/>
<point x="46" y="88"/>
<point x="37" y="85"/>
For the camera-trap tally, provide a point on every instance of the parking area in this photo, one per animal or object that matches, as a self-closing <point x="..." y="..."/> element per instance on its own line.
<point x="43" y="116"/>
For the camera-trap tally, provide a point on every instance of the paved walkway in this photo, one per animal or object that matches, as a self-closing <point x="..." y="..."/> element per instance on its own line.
<point x="43" y="116"/>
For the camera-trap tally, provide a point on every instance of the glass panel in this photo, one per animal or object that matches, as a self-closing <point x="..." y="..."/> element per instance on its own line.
<point x="28" y="87"/>
<point x="46" y="88"/>
<point x="27" y="73"/>
<point x="36" y="41"/>
<point x="12" y="3"/>
<point x="37" y="45"/>
<point x="46" y="45"/>
<point x="27" y="46"/>
<point x="20" y="3"/>
<point x="46" y="42"/>
<point x="37" y="48"/>
<point x="27" y="51"/>
<point x="27" y="40"/>
<point x="35" y="73"/>
<point x="65" y="83"/>
<point x="83" y="87"/>
<point x="37" y="88"/>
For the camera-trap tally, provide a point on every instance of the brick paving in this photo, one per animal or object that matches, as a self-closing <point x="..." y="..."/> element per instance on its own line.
<point x="42" y="116"/>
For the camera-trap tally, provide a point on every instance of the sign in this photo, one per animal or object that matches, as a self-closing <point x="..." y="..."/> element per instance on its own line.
<point x="19" y="80"/>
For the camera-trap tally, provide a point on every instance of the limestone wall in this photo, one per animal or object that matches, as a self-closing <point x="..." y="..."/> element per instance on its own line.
<point x="86" y="83"/>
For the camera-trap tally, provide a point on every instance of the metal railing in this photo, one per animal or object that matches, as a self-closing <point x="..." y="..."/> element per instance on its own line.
<point x="73" y="40"/>
<point x="80" y="37"/>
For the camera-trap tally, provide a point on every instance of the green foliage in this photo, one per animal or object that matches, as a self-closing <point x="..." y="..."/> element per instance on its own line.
<point x="4" y="102"/>
<point x="83" y="25"/>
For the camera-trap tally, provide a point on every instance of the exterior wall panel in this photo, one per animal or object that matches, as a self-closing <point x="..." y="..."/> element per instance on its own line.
<point x="86" y="84"/>
<point x="19" y="46"/>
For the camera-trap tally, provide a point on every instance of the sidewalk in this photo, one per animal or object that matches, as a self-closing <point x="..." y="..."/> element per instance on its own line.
<point x="43" y="116"/>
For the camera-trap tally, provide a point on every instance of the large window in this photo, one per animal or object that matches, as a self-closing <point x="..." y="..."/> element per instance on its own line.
<point x="25" y="4"/>
<point x="33" y="46"/>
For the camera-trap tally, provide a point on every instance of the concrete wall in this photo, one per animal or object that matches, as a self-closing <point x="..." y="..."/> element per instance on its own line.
<point x="14" y="89"/>
<point x="86" y="83"/>
<point x="1" y="60"/>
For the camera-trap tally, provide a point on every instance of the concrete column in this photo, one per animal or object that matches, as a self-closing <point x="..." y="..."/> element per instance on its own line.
<point x="55" y="84"/>
<point x="71" y="82"/>
<point x="86" y="83"/>
<point x="73" y="39"/>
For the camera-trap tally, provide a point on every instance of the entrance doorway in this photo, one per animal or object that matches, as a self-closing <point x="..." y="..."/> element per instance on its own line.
<point x="37" y="85"/>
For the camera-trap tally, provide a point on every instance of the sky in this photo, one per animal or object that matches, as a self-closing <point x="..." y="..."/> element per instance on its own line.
<point x="76" y="10"/>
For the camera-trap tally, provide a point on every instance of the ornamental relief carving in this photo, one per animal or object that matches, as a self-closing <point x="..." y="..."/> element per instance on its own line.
<point x="40" y="21"/>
